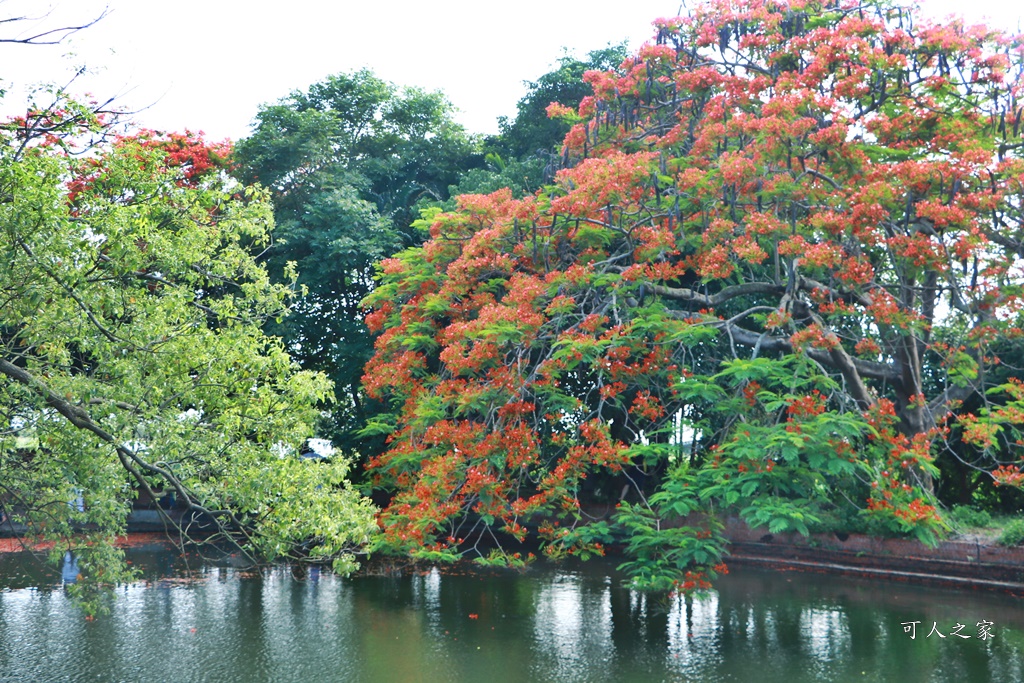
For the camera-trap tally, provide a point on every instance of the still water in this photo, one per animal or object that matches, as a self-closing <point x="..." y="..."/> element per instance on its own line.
<point x="199" y="620"/>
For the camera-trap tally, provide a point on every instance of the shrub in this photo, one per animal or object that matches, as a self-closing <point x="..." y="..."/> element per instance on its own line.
<point x="1013" y="533"/>
<point x="966" y="516"/>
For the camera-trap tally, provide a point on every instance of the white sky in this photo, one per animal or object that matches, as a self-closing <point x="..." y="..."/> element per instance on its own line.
<point x="208" y="64"/>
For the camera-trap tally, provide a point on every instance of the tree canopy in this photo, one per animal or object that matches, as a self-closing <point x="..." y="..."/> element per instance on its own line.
<point x="345" y="164"/>
<point x="132" y="351"/>
<point x="770" y="279"/>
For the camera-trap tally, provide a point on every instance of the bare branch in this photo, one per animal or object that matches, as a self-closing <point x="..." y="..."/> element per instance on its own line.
<point x="53" y="36"/>
<point x="842" y="361"/>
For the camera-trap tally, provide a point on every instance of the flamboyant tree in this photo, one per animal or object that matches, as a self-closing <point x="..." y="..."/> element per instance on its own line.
<point x="772" y="273"/>
<point x="132" y="356"/>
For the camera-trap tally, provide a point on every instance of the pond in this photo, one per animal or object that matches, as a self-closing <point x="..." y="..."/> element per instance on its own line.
<point x="190" y="619"/>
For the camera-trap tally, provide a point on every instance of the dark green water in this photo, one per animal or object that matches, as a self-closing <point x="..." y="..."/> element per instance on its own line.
<point x="223" y="624"/>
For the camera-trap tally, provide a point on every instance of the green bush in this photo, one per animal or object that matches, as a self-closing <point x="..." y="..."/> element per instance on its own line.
<point x="966" y="517"/>
<point x="1013" y="533"/>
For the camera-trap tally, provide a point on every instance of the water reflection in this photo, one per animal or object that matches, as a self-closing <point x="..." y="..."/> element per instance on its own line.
<point x="219" y="623"/>
<point x="69" y="568"/>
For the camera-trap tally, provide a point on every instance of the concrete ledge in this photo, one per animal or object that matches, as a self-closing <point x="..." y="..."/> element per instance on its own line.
<point x="961" y="563"/>
<point x="921" y="578"/>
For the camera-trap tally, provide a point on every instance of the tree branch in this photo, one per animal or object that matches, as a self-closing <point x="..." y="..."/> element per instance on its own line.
<point x="54" y="36"/>
<point x="683" y="294"/>
<point x="129" y="459"/>
<point x="863" y="368"/>
<point x="848" y="367"/>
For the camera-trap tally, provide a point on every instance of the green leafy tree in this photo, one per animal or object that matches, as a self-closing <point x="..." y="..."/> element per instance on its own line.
<point x="132" y="351"/>
<point x="522" y="176"/>
<point x="345" y="164"/>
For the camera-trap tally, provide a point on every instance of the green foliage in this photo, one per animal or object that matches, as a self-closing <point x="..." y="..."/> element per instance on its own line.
<point x="346" y="164"/>
<point x="1013" y="534"/>
<point x="969" y="517"/>
<point x="666" y="554"/>
<point x="503" y="559"/>
<point x="580" y="540"/>
<point x="134" y="359"/>
<point x="838" y="518"/>
<point x="395" y="145"/>
<point x="522" y="176"/>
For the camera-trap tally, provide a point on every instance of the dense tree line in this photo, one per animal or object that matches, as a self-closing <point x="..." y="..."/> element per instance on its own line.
<point x="350" y="165"/>
<point x="769" y="265"/>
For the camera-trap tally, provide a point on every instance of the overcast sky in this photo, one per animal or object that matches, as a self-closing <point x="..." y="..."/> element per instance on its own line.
<point x="208" y="64"/>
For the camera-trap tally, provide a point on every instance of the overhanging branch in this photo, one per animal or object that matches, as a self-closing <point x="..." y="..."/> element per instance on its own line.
<point x="128" y="458"/>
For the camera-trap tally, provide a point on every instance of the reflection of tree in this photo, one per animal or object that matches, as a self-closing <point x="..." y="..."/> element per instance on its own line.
<point x="391" y="641"/>
<point x="272" y="626"/>
<point x="251" y="600"/>
<point x="638" y="622"/>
